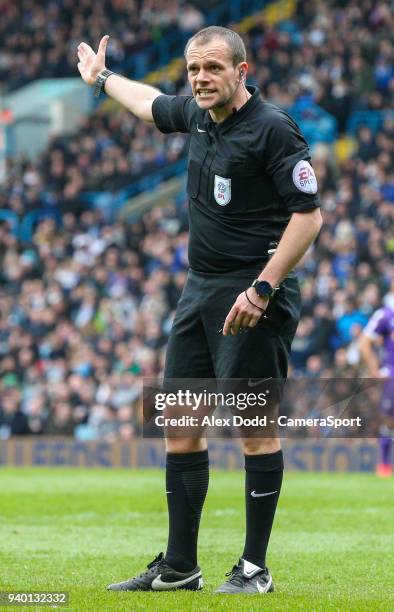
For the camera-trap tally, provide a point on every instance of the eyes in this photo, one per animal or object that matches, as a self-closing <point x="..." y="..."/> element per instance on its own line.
<point x="215" y="68"/>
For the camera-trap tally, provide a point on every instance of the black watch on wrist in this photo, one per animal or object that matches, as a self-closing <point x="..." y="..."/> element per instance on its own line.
<point x="263" y="288"/>
<point x="99" y="83"/>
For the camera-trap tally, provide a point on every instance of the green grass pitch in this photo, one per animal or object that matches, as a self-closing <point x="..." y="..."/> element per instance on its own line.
<point x="77" y="530"/>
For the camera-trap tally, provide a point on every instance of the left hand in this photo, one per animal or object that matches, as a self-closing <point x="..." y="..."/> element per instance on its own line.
<point x="243" y="314"/>
<point x="90" y="63"/>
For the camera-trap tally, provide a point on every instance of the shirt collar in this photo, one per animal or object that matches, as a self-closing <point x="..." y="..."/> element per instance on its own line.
<point x="237" y="115"/>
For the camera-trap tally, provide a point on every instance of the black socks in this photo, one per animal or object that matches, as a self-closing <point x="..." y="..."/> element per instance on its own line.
<point x="187" y="479"/>
<point x="263" y="481"/>
<point x="186" y="486"/>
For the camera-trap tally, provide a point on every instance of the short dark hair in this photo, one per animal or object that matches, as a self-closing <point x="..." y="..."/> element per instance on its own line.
<point x="233" y="40"/>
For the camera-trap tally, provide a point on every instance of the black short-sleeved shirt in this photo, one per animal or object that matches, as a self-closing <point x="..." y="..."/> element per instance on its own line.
<point x="246" y="175"/>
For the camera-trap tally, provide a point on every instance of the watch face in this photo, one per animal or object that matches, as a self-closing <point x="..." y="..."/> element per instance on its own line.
<point x="263" y="289"/>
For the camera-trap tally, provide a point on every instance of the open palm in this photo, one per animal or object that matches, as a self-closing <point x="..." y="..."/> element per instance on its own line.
<point x="90" y="63"/>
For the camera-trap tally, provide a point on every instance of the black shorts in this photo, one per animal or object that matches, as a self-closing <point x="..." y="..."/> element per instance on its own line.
<point x="196" y="347"/>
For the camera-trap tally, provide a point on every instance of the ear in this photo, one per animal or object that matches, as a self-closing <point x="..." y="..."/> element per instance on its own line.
<point x="243" y="70"/>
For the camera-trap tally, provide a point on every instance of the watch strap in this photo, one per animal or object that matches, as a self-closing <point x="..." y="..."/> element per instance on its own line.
<point x="99" y="84"/>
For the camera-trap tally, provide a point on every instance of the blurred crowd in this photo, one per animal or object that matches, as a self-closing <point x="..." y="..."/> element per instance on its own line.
<point x="87" y="306"/>
<point x="39" y="38"/>
<point x="108" y="153"/>
<point x="350" y="271"/>
<point x="338" y="54"/>
<point x="86" y="311"/>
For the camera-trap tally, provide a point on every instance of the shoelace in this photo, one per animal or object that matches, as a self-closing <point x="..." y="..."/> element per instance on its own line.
<point x="236" y="576"/>
<point x="152" y="566"/>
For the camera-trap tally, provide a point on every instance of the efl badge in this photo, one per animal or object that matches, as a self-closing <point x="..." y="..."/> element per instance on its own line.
<point x="304" y="178"/>
<point x="222" y="190"/>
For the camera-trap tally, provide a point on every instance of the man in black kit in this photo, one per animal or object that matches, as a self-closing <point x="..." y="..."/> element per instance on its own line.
<point x="250" y="183"/>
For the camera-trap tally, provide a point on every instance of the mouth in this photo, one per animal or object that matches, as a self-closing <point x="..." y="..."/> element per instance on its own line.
<point x="204" y="93"/>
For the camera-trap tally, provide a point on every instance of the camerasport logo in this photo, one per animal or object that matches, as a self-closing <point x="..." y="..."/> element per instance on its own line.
<point x="222" y="190"/>
<point x="304" y="178"/>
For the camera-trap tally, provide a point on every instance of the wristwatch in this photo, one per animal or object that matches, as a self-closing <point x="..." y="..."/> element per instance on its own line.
<point x="263" y="288"/>
<point x="99" y="83"/>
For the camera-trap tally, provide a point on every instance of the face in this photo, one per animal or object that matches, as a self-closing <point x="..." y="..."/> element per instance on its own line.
<point x="212" y="75"/>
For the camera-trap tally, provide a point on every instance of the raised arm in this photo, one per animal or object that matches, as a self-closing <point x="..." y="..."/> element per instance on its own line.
<point x="136" y="97"/>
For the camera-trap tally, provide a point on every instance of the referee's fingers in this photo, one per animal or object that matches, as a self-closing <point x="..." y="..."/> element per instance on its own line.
<point x="237" y="323"/>
<point x="241" y="321"/>
<point x="103" y="45"/>
<point x="246" y="321"/>
<point x="229" y="320"/>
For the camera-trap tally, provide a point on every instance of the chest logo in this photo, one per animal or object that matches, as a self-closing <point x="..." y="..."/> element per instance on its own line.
<point x="304" y="178"/>
<point x="222" y="190"/>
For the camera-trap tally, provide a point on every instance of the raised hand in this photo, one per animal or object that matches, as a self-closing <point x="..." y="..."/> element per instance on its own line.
<point x="90" y="63"/>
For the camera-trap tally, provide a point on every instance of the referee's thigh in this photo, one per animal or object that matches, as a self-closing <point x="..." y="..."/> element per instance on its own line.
<point x="188" y="353"/>
<point x="259" y="352"/>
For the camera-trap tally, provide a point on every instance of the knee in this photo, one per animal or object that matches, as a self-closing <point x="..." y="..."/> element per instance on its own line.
<point x="185" y="445"/>
<point x="260" y="446"/>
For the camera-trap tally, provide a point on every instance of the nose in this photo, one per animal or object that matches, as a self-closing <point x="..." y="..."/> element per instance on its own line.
<point x="202" y="75"/>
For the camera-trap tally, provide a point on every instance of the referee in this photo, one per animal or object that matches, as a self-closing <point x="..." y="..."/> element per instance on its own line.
<point x="250" y="184"/>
